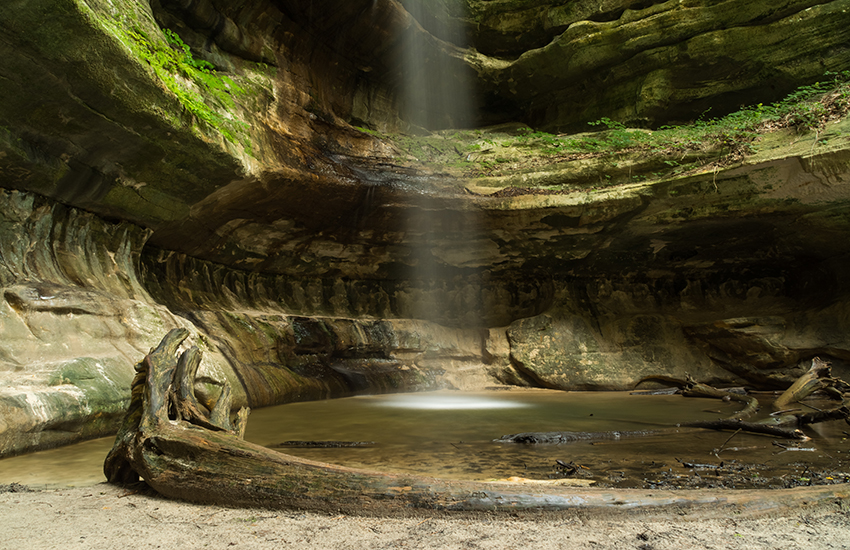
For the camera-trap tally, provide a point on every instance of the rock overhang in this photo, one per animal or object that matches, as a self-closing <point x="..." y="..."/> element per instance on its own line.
<point x="297" y="205"/>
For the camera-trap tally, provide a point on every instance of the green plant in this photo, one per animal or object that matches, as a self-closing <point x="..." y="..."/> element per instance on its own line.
<point x="805" y="109"/>
<point x="658" y="153"/>
<point x="194" y="82"/>
<point x="529" y="137"/>
<point x="369" y="131"/>
<point x="178" y="45"/>
<point x="617" y="136"/>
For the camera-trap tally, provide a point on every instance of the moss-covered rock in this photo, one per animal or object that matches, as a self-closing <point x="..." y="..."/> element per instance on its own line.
<point x="671" y="61"/>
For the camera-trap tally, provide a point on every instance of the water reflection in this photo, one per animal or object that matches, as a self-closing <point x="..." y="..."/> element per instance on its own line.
<point x="78" y="465"/>
<point x="444" y="417"/>
<point x="436" y="401"/>
<point x="450" y="434"/>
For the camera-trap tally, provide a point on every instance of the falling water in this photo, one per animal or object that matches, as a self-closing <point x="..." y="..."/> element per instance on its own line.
<point x="437" y="94"/>
<point x="437" y="85"/>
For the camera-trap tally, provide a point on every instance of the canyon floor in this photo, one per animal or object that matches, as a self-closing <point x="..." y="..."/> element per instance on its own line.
<point x="109" y="517"/>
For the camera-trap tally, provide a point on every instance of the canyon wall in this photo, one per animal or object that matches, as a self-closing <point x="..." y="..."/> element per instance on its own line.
<point x="234" y="168"/>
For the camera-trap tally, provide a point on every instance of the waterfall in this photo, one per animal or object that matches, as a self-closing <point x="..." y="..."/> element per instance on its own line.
<point x="436" y="83"/>
<point x="436" y="95"/>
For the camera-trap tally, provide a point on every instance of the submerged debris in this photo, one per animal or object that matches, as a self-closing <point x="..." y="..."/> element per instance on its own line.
<point x="323" y="444"/>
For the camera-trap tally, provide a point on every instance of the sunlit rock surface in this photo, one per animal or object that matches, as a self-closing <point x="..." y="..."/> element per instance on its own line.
<point x="74" y="316"/>
<point x="259" y="205"/>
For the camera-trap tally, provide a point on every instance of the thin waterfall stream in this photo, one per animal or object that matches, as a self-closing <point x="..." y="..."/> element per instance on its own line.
<point x="437" y="89"/>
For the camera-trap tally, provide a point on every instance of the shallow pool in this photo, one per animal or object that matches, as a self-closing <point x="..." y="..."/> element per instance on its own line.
<point x="451" y="434"/>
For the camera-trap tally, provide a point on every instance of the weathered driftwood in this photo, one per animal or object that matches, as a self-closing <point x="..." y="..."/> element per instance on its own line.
<point x="751" y="427"/>
<point x="168" y="440"/>
<point x="785" y="425"/>
<point x="693" y="389"/>
<point x="818" y="377"/>
<point x="737" y="420"/>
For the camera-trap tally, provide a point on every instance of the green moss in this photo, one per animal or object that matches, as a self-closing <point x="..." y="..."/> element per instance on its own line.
<point x="195" y="83"/>
<point x="105" y="382"/>
<point x="519" y="156"/>
<point x="212" y="98"/>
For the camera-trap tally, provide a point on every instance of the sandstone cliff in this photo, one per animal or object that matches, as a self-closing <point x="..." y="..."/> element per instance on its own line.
<point x="252" y="171"/>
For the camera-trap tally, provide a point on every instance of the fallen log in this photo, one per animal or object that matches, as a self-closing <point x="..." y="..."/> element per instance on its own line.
<point x="171" y="442"/>
<point x="702" y="390"/>
<point x="180" y="450"/>
<point x="751" y="427"/>
<point x="663" y="391"/>
<point x="184" y="450"/>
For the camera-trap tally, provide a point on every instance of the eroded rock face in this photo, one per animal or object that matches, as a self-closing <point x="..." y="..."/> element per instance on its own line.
<point x="256" y="205"/>
<point x="76" y="316"/>
<point x="654" y="62"/>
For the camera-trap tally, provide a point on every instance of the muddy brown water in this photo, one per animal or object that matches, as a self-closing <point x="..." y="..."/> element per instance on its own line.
<point x="451" y="434"/>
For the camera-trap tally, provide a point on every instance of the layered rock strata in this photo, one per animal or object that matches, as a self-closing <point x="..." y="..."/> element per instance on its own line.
<point x="219" y="166"/>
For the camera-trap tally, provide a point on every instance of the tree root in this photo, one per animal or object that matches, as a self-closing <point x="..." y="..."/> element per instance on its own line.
<point x="786" y="426"/>
<point x="187" y="451"/>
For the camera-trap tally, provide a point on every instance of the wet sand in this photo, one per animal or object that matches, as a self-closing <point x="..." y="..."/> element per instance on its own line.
<point x="106" y="517"/>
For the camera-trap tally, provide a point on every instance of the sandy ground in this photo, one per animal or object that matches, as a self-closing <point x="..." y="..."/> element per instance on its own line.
<point x="109" y="517"/>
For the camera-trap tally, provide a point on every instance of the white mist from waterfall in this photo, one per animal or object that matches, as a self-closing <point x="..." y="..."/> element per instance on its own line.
<point x="448" y="402"/>
<point x="436" y="94"/>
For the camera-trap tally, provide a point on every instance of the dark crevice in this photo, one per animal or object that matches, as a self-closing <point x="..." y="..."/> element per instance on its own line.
<point x="203" y="17"/>
<point x="615" y="15"/>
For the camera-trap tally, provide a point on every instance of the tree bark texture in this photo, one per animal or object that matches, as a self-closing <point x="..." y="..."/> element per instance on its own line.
<point x="818" y="377"/>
